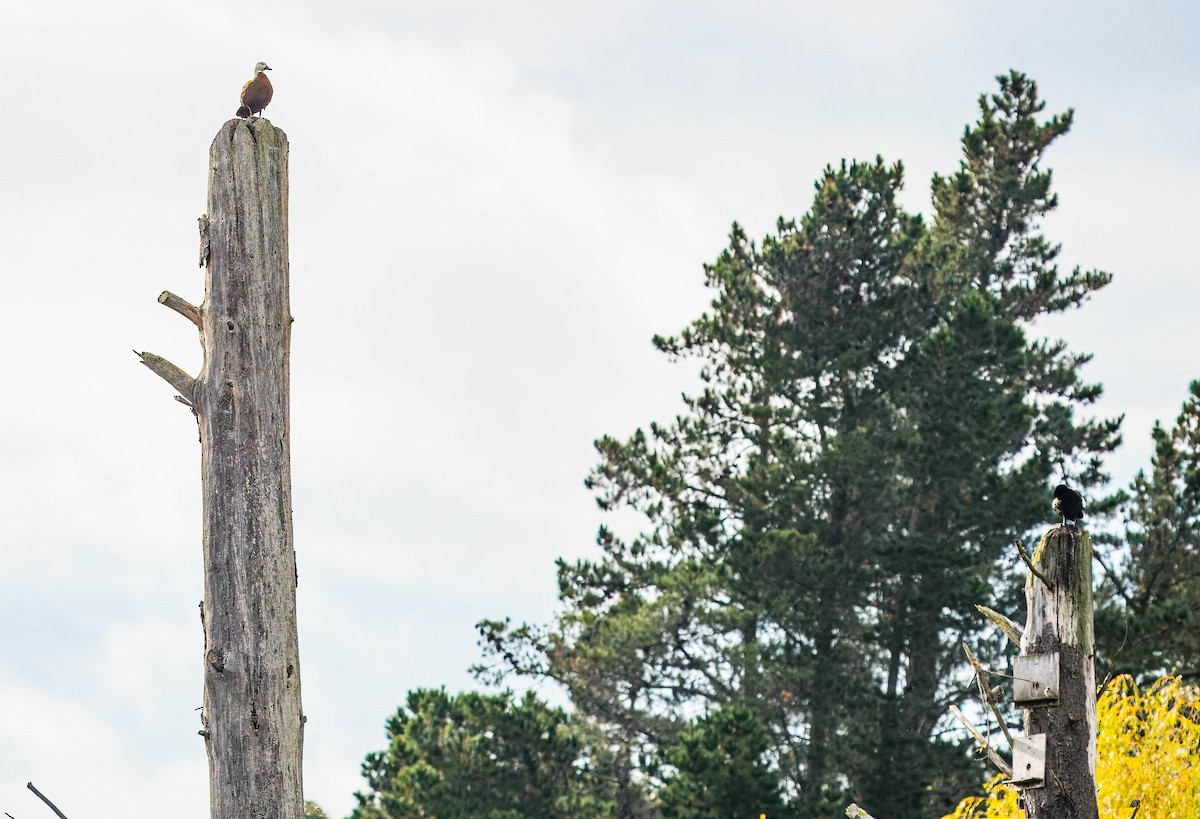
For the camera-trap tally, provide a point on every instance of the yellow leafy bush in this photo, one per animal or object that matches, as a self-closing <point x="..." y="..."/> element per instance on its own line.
<point x="1147" y="748"/>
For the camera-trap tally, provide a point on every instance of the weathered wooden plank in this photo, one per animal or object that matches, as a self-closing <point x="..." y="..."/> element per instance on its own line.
<point x="1035" y="680"/>
<point x="1029" y="761"/>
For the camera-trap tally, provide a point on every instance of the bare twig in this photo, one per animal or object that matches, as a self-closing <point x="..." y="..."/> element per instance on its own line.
<point x="1028" y="562"/>
<point x="42" y="796"/>
<point x="1117" y="581"/>
<point x="992" y="753"/>
<point x="168" y="372"/>
<point x="181" y="306"/>
<point x="986" y="693"/>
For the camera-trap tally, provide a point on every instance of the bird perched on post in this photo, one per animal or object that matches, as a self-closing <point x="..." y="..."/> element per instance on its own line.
<point x="1068" y="503"/>
<point x="256" y="94"/>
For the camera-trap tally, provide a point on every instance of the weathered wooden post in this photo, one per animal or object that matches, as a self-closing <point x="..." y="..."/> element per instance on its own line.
<point x="1054" y="764"/>
<point x="253" y="726"/>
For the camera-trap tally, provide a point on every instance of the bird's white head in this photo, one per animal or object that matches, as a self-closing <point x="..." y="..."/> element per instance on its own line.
<point x="260" y="68"/>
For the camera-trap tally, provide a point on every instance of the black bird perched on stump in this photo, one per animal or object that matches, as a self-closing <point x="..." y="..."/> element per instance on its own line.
<point x="256" y="94"/>
<point x="1068" y="503"/>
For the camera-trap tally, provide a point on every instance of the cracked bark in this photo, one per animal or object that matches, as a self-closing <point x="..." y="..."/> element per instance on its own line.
<point x="253" y="726"/>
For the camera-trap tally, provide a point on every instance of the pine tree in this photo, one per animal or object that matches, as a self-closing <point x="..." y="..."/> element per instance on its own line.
<point x="872" y="429"/>
<point x="720" y="770"/>
<point x="1148" y="622"/>
<point x="478" y="756"/>
<point x="986" y="415"/>
<point x="761" y="498"/>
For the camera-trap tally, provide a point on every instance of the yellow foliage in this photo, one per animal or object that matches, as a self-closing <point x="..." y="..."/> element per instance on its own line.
<point x="1147" y="748"/>
<point x="1000" y="803"/>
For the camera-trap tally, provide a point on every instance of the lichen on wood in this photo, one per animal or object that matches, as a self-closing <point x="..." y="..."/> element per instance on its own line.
<point x="1060" y="620"/>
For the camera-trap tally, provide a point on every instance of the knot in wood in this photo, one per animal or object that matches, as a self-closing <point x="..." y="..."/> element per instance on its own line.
<point x="216" y="658"/>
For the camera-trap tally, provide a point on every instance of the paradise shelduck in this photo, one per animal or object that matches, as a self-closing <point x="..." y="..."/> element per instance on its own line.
<point x="256" y="94"/>
<point x="1068" y="503"/>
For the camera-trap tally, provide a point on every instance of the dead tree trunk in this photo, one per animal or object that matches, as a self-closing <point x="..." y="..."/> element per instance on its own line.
<point x="253" y="726"/>
<point x="1056" y="682"/>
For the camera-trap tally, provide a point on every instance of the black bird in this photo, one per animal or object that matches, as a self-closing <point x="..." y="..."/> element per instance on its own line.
<point x="1068" y="503"/>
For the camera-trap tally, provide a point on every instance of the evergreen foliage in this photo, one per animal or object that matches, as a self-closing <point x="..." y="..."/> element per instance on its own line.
<point x="478" y="756"/>
<point x="721" y="770"/>
<point x="1148" y="620"/>
<point x="872" y="427"/>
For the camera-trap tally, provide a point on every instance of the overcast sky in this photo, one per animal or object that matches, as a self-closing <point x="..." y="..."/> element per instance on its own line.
<point x="494" y="206"/>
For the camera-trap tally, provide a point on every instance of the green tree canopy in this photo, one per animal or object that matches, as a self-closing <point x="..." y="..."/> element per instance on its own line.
<point x="721" y="770"/>
<point x="1148" y="620"/>
<point x="479" y="756"/>
<point x="872" y="427"/>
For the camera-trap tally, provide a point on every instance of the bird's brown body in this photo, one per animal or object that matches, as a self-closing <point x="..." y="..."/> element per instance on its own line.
<point x="256" y="95"/>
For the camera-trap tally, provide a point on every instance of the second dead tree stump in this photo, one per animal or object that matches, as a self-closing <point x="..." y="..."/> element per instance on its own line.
<point x="1054" y="762"/>
<point x="1056" y="681"/>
